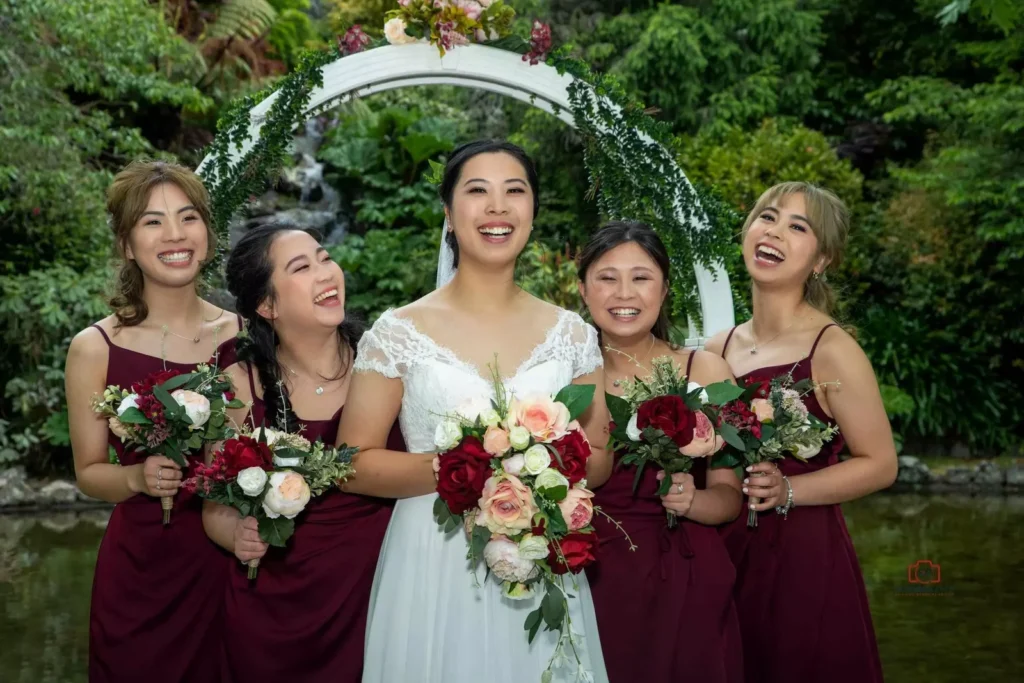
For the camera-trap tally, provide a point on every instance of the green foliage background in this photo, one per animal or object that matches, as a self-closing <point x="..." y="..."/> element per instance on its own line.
<point x="912" y="112"/>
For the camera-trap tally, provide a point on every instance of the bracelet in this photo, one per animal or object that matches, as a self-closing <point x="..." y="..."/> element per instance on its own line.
<point x="784" y="509"/>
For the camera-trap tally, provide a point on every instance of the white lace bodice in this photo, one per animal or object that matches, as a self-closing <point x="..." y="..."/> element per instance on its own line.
<point x="437" y="381"/>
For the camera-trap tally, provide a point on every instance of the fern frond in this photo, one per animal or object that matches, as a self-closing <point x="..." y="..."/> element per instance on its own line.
<point x="242" y="19"/>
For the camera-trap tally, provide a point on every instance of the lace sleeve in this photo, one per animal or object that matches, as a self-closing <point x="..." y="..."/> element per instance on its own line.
<point x="384" y="348"/>
<point x="586" y="350"/>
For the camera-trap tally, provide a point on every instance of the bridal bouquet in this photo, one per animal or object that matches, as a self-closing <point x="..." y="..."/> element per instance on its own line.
<point x="271" y="475"/>
<point x="170" y="413"/>
<point x="770" y="421"/>
<point x="513" y="476"/>
<point x="667" y="421"/>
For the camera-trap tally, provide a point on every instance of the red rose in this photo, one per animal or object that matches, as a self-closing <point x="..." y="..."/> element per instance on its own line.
<point x="578" y="549"/>
<point x="575" y="450"/>
<point x="156" y="379"/>
<point x="463" y="471"/>
<point x="763" y="387"/>
<point x="242" y="453"/>
<point x="229" y="396"/>
<point x="670" y="415"/>
<point x="739" y="415"/>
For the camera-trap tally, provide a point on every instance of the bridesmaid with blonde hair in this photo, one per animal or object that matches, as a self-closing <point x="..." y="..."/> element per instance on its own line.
<point x="799" y="590"/>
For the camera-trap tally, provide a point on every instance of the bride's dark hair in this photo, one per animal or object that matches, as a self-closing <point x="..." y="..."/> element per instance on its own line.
<point x="458" y="159"/>
<point x="615" y="233"/>
<point x="249" y="271"/>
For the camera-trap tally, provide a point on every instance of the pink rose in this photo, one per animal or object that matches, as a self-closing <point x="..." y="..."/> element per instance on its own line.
<point x="472" y="8"/>
<point x="545" y="419"/>
<point x="506" y="506"/>
<point x="577" y="508"/>
<point x="496" y="441"/>
<point x="762" y="409"/>
<point x="705" y="441"/>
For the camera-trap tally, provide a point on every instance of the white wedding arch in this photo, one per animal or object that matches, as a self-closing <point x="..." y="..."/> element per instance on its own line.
<point x="494" y="70"/>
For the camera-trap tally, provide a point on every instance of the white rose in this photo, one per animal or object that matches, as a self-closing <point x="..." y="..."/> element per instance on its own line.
<point x="502" y="556"/>
<point x="807" y="452"/>
<point x="287" y="495"/>
<point x="519" y="437"/>
<point x="394" y="31"/>
<point x="690" y="386"/>
<point x="287" y="462"/>
<point x="514" y="464"/>
<point x="551" y="479"/>
<point x="537" y="459"/>
<point x="252" y="480"/>
<point x="533" y="547"/>
<point x="490" y="418"/>
<point x="632" y="431"/>
<point x="447" y="435"/>
<point x="197" y="406"/>
<point x="129" y="401"/>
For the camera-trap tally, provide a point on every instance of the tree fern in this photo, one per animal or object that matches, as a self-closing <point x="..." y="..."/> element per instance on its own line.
<point x="242" y="19"/>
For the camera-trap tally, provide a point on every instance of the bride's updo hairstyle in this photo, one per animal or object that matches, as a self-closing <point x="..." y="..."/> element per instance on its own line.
<point x="248" y="272"/>
<point x="458" y="159"/>
<point x="127" y="199"/>
<point x="616" y="233"/>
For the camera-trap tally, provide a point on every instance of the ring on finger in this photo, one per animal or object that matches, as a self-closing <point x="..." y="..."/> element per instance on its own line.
<point x="679" y="488"/>
<point x="159" y="473"/>
<point x="158" y="485"/>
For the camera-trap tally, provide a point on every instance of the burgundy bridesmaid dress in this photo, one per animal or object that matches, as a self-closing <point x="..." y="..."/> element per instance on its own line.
<point x="799" y="589"/>
<point x="157" y="590"/>
<point x="665" y="611"/>
<point x="303" y="618"/>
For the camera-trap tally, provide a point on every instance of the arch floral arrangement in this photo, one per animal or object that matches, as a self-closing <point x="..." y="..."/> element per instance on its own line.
<point x="630" y="157"/>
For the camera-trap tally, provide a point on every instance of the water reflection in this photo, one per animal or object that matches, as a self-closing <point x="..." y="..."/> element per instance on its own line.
<point x="965" y="627"/>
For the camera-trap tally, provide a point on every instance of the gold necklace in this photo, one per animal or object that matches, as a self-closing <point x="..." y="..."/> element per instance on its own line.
<point x="754" y="347"/>
<point x="199" y="330"/>
<point x="633" y="360"/>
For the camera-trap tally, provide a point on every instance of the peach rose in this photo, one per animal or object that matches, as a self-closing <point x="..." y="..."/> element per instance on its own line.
<point x="763" y="409"/>
<point x="577" y="508"/>
<point x="496" y="441"/>
<point x="506" y="506"/>
<point x="705" y="441"/>
<point x="286" y="496"/>
<point x="543" y="417"/>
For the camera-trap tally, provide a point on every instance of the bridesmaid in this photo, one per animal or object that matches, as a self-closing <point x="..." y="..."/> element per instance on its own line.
<point x="799" y="592"/>
<point x="157" y="590"/>
<point x="665" y="610"/>
<point x="304" y="616"/>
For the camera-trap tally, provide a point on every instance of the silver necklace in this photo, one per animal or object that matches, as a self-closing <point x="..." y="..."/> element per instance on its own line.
<point x="320" y="387"/>
<point x="753" y="349"/>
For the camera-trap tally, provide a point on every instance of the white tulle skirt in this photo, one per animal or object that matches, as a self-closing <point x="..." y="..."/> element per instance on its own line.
<point x="430" y="622"/>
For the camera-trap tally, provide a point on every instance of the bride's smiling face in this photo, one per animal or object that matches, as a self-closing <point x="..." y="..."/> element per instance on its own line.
<point x="491" y="209"/>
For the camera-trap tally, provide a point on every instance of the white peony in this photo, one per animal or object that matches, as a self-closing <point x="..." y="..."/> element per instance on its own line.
<point x="690" y="386"/>
<point x="129" y="401"/>
<point x="394" y="31"/>
<point x="533" y="547"/>
<point x="504" y="559"/>
<point x="287" y="495"/>
<point x="632" y="431"/>
<point x="536" y="459"/>
<point x="252" y="480"/>
<point x="514" y="464"/>
<point x="447" y="435"/>
<point x="519" y="437"/>
<point x="551" y="479"/>
<point x="268" y="435"/>
<point x="197" y="406"/>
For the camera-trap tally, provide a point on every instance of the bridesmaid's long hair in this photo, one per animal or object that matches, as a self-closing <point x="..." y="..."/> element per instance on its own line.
<point x="830" y="222"/>
<point x="127" y="199"/>
<point x="458" y="159"/>
<point x="249" y="270"/>
<point x="616" y="233"/>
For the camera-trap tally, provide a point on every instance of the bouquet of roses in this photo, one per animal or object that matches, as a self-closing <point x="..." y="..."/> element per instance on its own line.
<point x="769" y="420"/>
<point x="271" y="475"/>
<point x="513" y="476"/>
<point x="669" y="421"/>
<point x="170" y="413"/>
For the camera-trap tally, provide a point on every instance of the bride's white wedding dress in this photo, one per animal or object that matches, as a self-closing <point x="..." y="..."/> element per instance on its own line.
<point x="428" y="620"/>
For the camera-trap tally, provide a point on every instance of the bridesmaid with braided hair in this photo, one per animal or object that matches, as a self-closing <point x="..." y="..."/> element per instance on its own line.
<point x="304" y="616"/>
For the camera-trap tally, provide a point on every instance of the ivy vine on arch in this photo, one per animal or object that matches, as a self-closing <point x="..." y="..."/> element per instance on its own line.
<point x="629" y="156"/>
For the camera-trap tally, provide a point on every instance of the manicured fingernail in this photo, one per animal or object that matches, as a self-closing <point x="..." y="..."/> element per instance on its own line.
<point x="750" y="469"/>
<point x="751" y="506"/>
<point x="745" y="490"/>
<point x="746" y="481"/>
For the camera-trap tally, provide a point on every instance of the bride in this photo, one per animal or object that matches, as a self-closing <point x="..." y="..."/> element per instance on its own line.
<point x="429" y="620"/>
